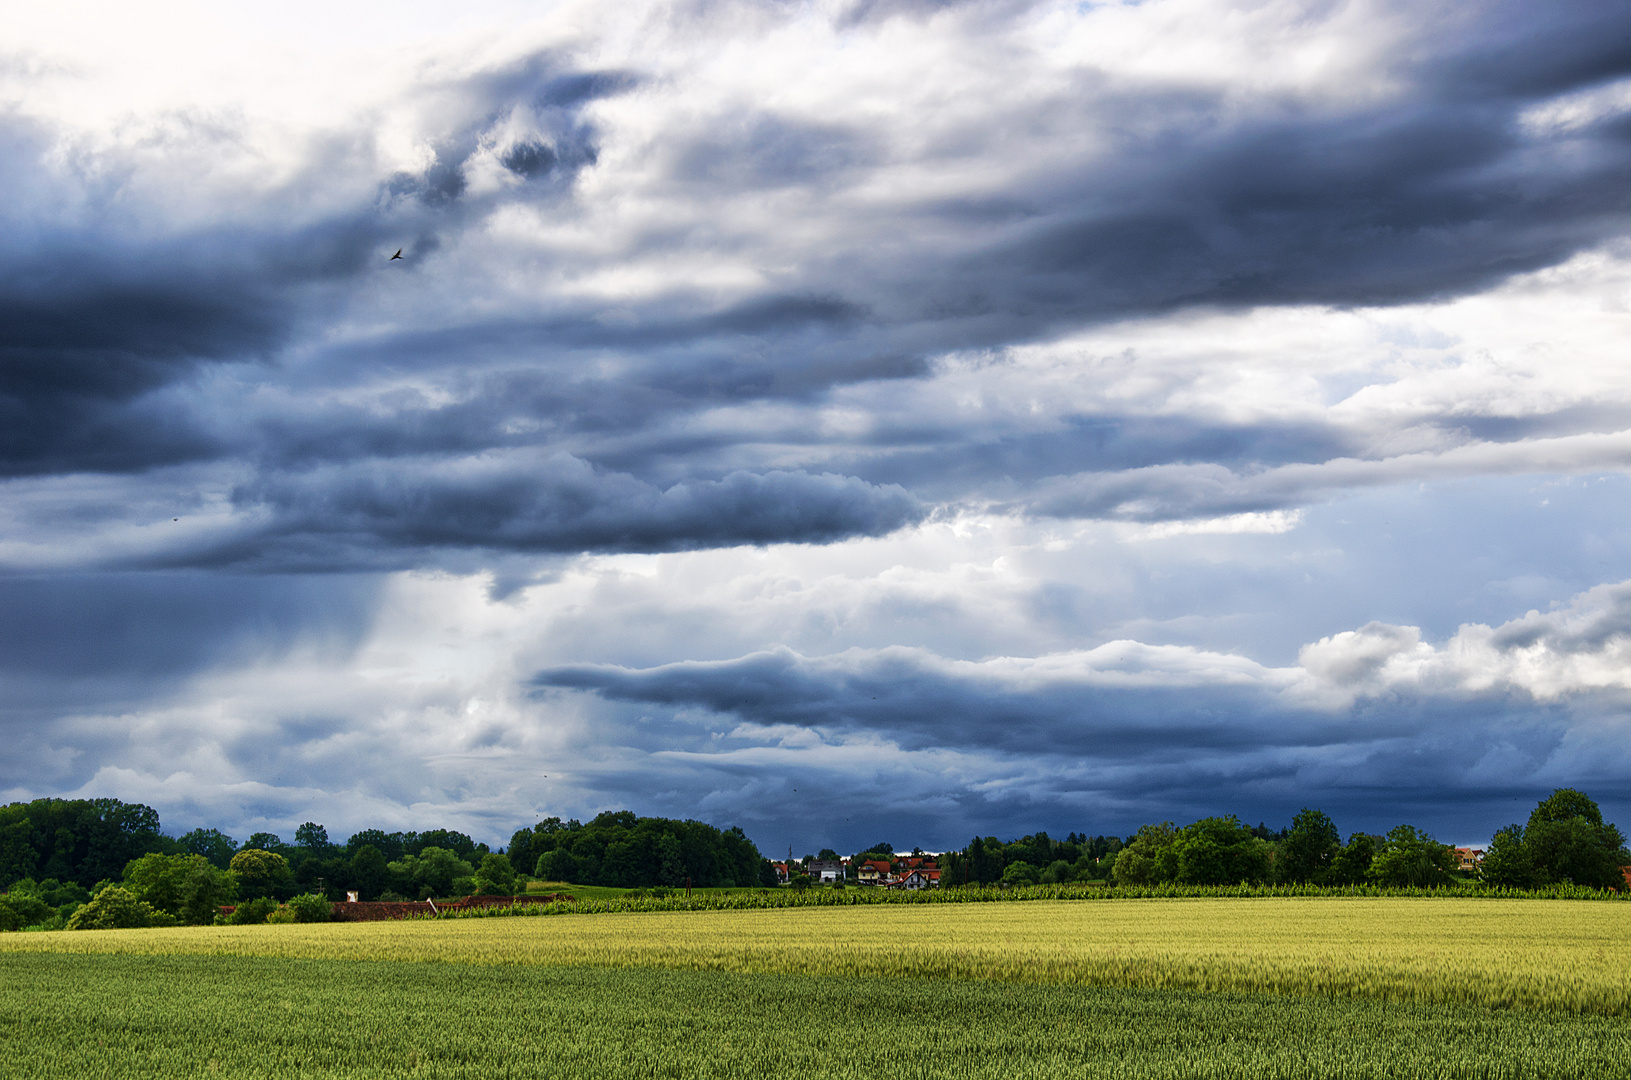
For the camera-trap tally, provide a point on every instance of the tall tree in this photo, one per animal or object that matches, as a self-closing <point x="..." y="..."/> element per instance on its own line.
<point x="1410" y="857"/>
<point x="1568" y="841"/>
<point x="1309" y="848"/>
<point x="1507" y="863"/>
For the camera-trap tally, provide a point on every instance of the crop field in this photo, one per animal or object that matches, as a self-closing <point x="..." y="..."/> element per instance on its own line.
<point x="1154" y="988"/>
<point x="1501" y="953"/>
<point x="195" y="1016"/>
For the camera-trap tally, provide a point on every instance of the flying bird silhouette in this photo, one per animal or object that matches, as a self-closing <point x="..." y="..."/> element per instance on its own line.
<point x="398" y="255"/>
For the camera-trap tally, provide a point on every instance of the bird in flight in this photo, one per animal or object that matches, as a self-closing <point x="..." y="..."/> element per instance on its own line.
<point x="398" y="255"/>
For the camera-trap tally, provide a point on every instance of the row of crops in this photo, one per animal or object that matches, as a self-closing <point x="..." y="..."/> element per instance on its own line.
<point x="1253" y="986"/>
<point x="640" y="900"/>
<point x="1493" y="953"/>
<point x="174" y="1017"/>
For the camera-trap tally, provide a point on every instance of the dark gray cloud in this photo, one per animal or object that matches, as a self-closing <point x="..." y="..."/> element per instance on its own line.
<point x="1116" y="737"/>
<point x="1435" y="188"/>
<point x="648" y="304"/>
<point x="557" y="503"/>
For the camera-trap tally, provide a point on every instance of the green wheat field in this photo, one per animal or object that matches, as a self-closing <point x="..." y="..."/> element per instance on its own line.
<point x="1276" y="987"/>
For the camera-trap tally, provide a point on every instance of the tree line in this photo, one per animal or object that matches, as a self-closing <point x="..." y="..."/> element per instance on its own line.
<point x="1565" y="841"/>
<point x="67" y="863"/>
<point x="620" y="849"/>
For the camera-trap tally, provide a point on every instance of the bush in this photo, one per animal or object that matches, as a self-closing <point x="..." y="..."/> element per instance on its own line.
<point x="24" y="909"/>
<point x="188" y="887"/>
<point x="284" y="915"/>
<point x="253" y="912"/>
<point x="310" y="907"/>
<point x="116" y="908"/>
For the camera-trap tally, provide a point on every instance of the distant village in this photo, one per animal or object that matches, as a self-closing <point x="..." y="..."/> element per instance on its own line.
<point x="920" y="870"/>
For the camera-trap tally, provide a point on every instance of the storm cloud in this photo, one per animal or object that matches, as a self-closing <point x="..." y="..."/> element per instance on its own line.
<point x="1014" y="413"/>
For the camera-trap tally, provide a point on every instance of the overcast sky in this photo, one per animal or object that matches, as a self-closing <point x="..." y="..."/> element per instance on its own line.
<point x="851" y="420"/>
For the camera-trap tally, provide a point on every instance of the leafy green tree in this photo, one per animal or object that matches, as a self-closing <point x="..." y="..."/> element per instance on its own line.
<point x="1568" y="841"/>
<point x="799" y="882"/>
<point x="390" y="845"/>
<point x="1309" y="849"/>
<point x="53" y="892"/>
<point x="670" y="862"/>
<point x="369" y="872"/>
<point x="213" y="844"/>
<point x="1410" y="857"/>
<point x="260" y="872"/>
<point x="265" y="841"/>
<point x="519" y="849"/>
<point x="495" y="876"/>
<point x="432" y="873"/>
<point x="768" y="878"/>
<point x="558" y="865"/>
<point x="1019" y="873"/>
<point x="985" y="860"/>
<point x="116" y="908"/>
<point x="78" y="840"/>
<point x="1352" y="864"/>
<point x="313" y="838"/>
<point x="19" y="909"/>
<point x="1057" y="872"/>
<point x="1150" y="858"/>
<point x="1507" y="863"/>
<point x="827" y="854"/>
<point x="187" y="887"/>
<point x="1219" y="851"/>
<point x="310" y="907"/>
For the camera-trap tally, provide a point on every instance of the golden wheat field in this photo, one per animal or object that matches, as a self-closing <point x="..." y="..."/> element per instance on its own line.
<point x="1531" y="954"/>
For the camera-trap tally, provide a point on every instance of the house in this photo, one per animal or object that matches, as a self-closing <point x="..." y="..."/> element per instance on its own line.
<point x="1468" y="858"/>
<point x="914" y="879"/>
<point x="872" y="872"/>
<point x="781" y="872"/>
<point x="825" y="871"/>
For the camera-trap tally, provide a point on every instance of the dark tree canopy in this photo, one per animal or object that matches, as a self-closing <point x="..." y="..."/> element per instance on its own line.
<point x="80" y="840"/>
<point x="623" y="849"/>
<point x="1309" y="848"/>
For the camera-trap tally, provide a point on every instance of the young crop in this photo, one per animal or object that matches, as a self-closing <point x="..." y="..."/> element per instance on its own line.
<point x="171" y="1018"/>
<point x="1489" y="952"/>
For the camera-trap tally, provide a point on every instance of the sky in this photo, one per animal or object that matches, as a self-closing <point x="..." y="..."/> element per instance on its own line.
<point x="852" y="420"/>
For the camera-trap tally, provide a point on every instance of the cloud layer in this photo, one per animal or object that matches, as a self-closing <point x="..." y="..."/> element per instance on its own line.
<point x="1164" y="344"/>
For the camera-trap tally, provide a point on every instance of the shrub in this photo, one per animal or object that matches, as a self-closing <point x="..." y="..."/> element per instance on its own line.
<point x="310" y="907"/>
<point x="253" y="912"/>
<point x="283" y="915"/>
<point x="116" y="908"/>
<point x="22" y="909"/>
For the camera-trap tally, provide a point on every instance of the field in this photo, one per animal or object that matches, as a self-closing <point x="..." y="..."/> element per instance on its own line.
<point x="1277" y="987"/>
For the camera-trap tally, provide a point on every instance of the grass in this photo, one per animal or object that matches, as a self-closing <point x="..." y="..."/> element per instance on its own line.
<point x="1528" y="954"/>
<point x="116" y="1016"/>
